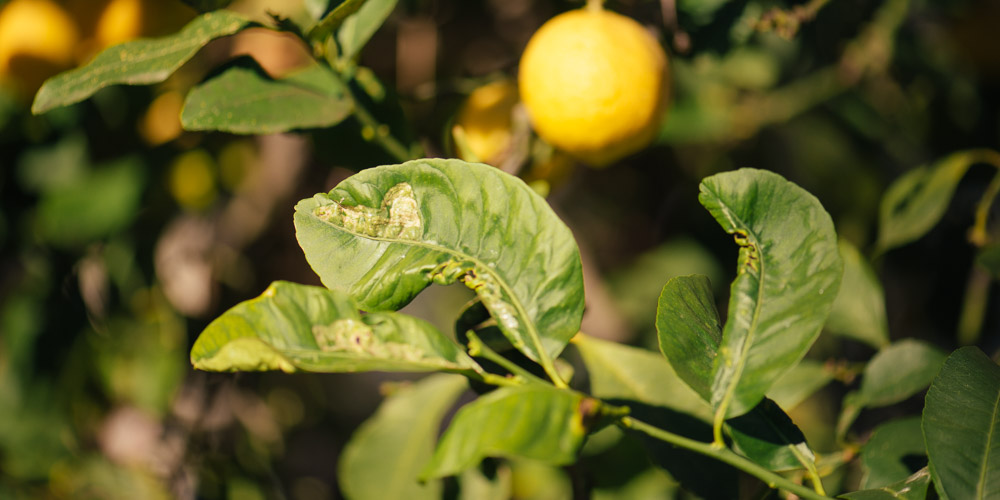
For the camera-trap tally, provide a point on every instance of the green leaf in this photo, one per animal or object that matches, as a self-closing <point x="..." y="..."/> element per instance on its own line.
<point x="636" y="288"/>
<point x="94" y="205"/>
<point x="386" y="233"/>
<point x="358" y="28"/>
<point x="620" y="372"/>
<point x="859" y="311"/>
<point x="915" y="202"/>
<point x="961" y="424"/>
<point x="911" y="488"/>
<point x="474" y="485"/>
<point x="884" y="457"/>
<point x="788" y="274"/>
<point x="797" y="384"/>
<point x="137" y="62"/>
<point x="768" y="436"/>
<point x="297" y="327"/>
<point x="334" y="19"/>
<point x="245" y="100"/>
<point x="689" y="330"/>
<point x="533" y="421"/>
<point x="893" y="374"/>
<point x="400" y="438"/>
<point x="898" y="372"/>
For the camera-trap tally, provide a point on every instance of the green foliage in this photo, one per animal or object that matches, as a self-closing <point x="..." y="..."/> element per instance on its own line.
<point x="137" y="62"/>
<point x="961" y="420"/>
<point x="451" y="222"/>
<point x="531" y="421"/>
<point x="893" y="374"/>
<point x="885" y="455"/>
<point x="722" y="399"/>
<point x="296" y="327"/>
<point x="400" y="438"/>
<point x="915" y="202"/>
<point x="859" y="311"/>
<point x="768" y="436"/>
<point x="245" y="100"/>
<point x="619" y="372"/>
<point x="911" y="488"/>
<point x="690" y="330"/>
<point x="357" y="28"/>
<point x="787" y="250"/>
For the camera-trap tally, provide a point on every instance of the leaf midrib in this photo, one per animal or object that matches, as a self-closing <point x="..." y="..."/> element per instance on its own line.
<point x="751" y="331"/>
<point x="986" y="451"/>
<point x="530" y="325"/>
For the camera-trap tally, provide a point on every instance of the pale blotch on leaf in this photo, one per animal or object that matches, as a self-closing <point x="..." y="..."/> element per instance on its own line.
<point x="398" y="217"/>
<point x="245" y="354"/>
<point x="355" y="337"/>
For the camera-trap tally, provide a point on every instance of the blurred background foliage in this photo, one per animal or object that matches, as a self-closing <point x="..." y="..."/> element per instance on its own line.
<point x="121" y="235"/>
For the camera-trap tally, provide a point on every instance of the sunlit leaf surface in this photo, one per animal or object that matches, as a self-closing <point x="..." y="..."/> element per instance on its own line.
<point x="297" y="327"/>
<point x="788" y="274"/>
<point x="386" y="233"/>
<point x="137" y="62"/>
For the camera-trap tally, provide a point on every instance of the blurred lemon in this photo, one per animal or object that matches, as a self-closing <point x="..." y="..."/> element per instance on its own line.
<point x="120" y="21"/>
<point x="483" y="124"/>
<point x="37" y="39"/>
<point x="595" y="84"/>
<point x="192" y="180"/>
<point x="162" y="121"/>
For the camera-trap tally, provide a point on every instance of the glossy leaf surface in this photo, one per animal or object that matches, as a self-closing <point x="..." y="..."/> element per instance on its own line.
<point x="859" y="311"/>
<point x="400" y="438"/>
<point x="961" y="425"/>
<point x="911" y="488"/>
<point x="887" y="455"/>
<point x="297" y="327"/>
<point x="689" y="330"/>
<point x="788" y="274"/>
<point x="386" y="233"/>
<point x="915" y="202"/>
<point x="358" y="28"/>
<point x="532" y="421"/>
<point x="621" y="372"/>
<point x="768" y="436"/>
<point x="245" y="100"/>
<point x="137" y="62"/>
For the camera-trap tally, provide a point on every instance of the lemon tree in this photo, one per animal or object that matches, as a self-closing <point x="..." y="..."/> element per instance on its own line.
<point x="595" y="84"/>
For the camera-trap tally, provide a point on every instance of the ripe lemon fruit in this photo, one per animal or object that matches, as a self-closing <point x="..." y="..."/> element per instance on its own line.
<point x="120" y="21"/>
<point x="37" y="39"/>
<point x="483" y="123"/>
<point x="595" y="84"/>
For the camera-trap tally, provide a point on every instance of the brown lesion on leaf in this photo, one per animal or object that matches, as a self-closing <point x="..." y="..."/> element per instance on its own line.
<point x="398" y="216"/>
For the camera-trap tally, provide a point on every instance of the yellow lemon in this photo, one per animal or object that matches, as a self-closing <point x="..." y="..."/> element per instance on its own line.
<point x="162" y="121"/>
<point x="192" y="180"/>
<point x="37" y="39"/>
<point x="484" y="121"/>
<point x="595" y="84"/>
<point x="120" y="21"/>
